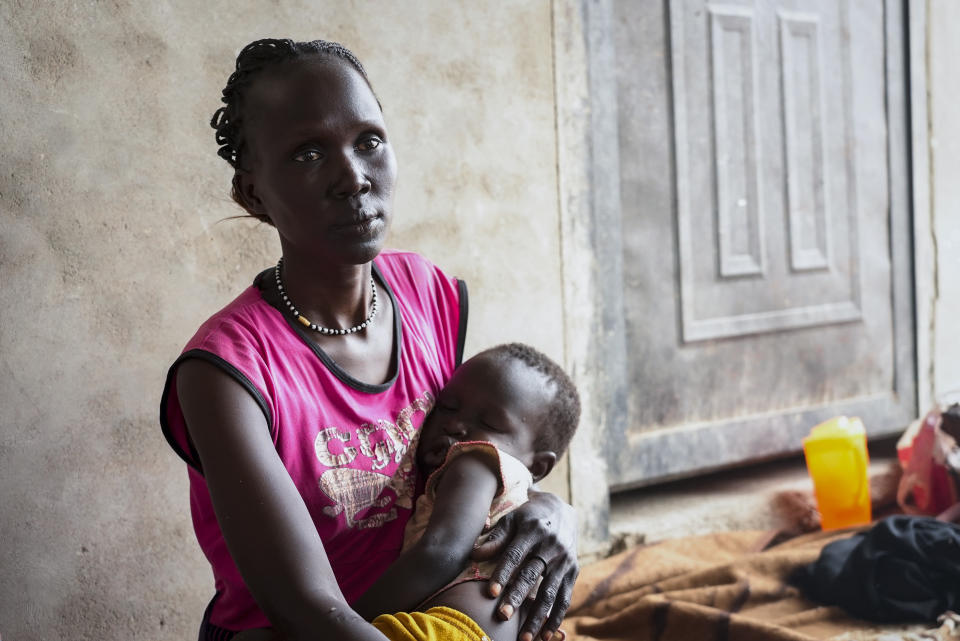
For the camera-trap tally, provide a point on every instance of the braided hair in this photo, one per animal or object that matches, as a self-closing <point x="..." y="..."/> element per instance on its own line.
<point x="252" y="59"/>
<point x="563" y="415"/>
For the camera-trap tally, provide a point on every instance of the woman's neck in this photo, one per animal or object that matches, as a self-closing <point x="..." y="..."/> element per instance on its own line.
<point x="333" y="296"/>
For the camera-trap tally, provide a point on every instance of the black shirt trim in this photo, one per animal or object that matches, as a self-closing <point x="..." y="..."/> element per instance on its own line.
<point x="462" y="329"/>
<point x="192" y="458"/>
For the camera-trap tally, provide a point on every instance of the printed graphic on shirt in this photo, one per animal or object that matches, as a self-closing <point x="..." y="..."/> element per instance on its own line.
<point x="354" y="491"/>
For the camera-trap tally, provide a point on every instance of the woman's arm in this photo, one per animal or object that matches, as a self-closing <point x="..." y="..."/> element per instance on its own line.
<point x="463" y="497"/>
<point x="264" y="521"/>
<point x="541" y="532"/>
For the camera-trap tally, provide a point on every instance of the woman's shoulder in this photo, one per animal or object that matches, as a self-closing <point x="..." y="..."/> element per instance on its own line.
<point x="247" y="314"/>
<point x="433" y="303"/>
<point x="410" y="273"/>
<point x="398" y="260"/>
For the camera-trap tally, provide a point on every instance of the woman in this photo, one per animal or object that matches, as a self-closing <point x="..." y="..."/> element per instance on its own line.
<point x="297" y="406"/>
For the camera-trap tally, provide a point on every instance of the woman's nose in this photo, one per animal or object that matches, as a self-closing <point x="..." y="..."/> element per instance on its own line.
<point x="352" y="179"/>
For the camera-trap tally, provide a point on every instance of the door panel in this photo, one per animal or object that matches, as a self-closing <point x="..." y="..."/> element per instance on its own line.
<point x="758" y="291"/>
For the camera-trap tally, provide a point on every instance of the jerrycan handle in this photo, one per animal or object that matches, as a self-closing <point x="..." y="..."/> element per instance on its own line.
<point x="860" y="454"/>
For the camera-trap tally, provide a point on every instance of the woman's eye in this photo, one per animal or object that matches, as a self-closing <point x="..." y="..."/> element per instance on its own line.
<point x="310" y="155"/>
<point x="369" y="144"/>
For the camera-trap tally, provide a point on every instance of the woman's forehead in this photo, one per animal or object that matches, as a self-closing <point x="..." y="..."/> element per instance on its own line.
<point x="311" y="88"/>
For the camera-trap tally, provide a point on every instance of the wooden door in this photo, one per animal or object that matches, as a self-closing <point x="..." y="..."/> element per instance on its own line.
<point x="764" y="241"/>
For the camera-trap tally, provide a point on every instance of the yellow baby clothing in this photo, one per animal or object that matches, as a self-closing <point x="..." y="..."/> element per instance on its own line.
<point x="436" y="624"/>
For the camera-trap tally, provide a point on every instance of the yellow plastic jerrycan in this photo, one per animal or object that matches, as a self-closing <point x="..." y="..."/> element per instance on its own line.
<point x="836" y="453"/>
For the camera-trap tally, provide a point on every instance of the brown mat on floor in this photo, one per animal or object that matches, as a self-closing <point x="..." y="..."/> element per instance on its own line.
<point x="713" y="587"/>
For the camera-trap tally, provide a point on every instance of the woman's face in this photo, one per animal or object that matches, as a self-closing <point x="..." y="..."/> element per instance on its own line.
<point x="318" y="162"/>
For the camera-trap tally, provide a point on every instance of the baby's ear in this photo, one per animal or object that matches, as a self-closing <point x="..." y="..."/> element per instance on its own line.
<point x="543" y="462"/>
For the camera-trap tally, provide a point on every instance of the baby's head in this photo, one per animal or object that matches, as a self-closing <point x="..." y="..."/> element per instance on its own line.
<point x="510" y="395"/>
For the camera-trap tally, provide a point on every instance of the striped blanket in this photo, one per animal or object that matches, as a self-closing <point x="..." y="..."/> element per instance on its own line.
<point x="727" y="586"/>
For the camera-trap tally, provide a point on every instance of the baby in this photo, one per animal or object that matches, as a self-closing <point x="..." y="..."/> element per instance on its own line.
<point x="498" y="427"/>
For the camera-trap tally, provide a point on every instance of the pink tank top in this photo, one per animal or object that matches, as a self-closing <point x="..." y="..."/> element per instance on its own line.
<point x="345" y="443"/>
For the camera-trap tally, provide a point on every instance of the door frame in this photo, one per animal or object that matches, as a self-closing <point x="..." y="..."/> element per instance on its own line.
<point x="924" y="247"/>
<point x="590" y="214"/>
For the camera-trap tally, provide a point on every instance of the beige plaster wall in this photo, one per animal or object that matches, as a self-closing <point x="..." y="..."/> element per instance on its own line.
<point x="944" y="222"/>
<point x="112" y="252"/>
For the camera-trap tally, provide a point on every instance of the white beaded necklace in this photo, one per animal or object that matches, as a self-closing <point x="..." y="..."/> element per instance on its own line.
<point x="318" y="328"/>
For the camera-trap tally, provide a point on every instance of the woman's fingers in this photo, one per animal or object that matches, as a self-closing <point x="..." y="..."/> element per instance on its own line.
<point x="495" y="539"/>
<point x="550" y="605"/>
<point x="561" y="602"/>
<point x="538" y="539"/>
<point x="517" y="572"/>
<point x="541" y="606"/>
<point x="521" y="585"/>
<point x="539" y="523"/>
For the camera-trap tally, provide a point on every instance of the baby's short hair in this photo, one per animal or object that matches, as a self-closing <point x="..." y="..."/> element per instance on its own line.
<point x="563" y="414"/>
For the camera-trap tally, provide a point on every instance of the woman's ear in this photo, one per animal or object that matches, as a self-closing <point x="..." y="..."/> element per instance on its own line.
<point x="244" y="193"/>
<point x="543" y="462"/>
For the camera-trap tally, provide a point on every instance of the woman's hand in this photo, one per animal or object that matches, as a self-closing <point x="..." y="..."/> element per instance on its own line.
<point x="538" y="538"/>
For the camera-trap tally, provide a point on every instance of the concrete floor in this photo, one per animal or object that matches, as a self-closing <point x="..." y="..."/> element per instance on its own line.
<point x="737" y="499"/>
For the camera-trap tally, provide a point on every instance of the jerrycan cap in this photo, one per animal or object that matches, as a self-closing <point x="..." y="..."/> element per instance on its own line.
<point x="838" y="427"/>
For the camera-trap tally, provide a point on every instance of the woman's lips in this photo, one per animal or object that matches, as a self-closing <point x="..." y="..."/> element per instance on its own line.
<point x="358" y="215"/>
<point x="364" y="223"/>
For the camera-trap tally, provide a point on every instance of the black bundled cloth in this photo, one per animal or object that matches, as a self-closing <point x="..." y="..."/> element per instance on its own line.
<point x="903" y="569"/>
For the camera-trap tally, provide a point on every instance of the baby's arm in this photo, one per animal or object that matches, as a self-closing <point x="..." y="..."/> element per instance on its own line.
<point x="463" y="497"/>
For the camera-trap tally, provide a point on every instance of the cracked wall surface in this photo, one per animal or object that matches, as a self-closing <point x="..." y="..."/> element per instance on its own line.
<point x="114" y="248"/>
